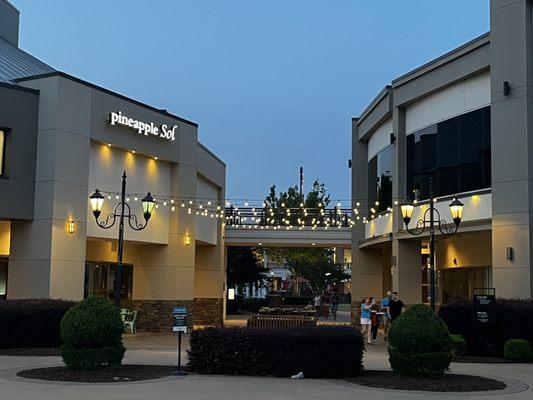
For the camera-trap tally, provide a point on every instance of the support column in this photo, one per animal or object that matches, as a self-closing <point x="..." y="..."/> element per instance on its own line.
<point x="45" y="260"/>
<point x="512" y="152"/>
<point x="406" y="270"/>
<point x="366" y="264"/>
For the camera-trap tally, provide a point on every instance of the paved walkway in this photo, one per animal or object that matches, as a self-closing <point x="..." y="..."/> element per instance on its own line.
<point x="160" y="349"/>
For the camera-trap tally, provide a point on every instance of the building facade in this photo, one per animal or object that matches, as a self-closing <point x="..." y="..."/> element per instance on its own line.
<point x="463" y="120"/>
<point x="60" y="139"/>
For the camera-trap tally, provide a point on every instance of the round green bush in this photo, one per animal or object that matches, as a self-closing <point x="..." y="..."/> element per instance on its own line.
<point x="518" y="350"/>
<point x="92" y="335"/>
<point x="458" y="345"/>
<point x="419" y="343"/>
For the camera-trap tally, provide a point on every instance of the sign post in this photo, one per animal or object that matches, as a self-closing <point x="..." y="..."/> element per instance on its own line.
<point x="484" y="318"/>
<point x="179" y="324"/>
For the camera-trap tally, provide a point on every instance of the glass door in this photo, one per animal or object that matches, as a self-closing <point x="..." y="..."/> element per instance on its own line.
<point x="100" y="280"/>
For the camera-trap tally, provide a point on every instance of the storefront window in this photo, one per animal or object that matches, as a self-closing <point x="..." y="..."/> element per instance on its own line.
<point x="380" y="180"/>
<point x="455" y="153"/>
<point x="100" y="280"/>
<point x="2" y="151"/>
<point x="3" y="278"/>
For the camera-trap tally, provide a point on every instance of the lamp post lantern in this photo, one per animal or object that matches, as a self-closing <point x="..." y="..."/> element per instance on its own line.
<point x="121" y="210"/>
<point x="431" y="218"/>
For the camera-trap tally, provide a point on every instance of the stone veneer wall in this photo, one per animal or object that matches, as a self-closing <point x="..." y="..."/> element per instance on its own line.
<point x="208" y="311"/>
<point x="156" y="315"/>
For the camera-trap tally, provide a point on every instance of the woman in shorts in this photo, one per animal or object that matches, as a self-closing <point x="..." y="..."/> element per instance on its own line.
<point x="366" y="322"/>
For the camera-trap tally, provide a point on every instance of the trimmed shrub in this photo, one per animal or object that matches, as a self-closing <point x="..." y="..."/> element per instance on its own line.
<point x="318" y="352"/>
<point x="31" y="323"/>
<point x="518" y="350"/>
<point x="458" y="345"/>
<point x="419" y="343"/>
<point x="92" y="335"/>
<point x="514" y="319"/>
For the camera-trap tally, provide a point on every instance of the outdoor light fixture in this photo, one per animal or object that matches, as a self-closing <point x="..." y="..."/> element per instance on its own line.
<point x="231" y="294"/>
<point x="148" y="204"/>
<point x="187" y="239"/>
<point x="121" y="211"/>
<point x="430" y="219"/>
<point x="97" y="201"/>
<point x="70" y="226"/>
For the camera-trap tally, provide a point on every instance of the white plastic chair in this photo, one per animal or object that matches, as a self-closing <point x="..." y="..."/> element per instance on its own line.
<point x="129" y="322"/>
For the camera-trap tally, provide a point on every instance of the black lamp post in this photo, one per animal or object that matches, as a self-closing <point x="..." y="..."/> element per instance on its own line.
<point x="456" y="210"/>
<point x="122" y="210"/>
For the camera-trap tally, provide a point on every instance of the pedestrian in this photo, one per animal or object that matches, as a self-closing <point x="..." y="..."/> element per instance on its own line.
<point x="386" y="317"/>
<point x="334" y="300"/>
<point x="396" y="307"/>
<point x="366" y="322"/>
<point x="374" y="319"/>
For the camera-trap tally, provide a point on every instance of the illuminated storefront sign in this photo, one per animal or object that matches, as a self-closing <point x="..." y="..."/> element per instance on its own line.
<point x="143" y="128"/>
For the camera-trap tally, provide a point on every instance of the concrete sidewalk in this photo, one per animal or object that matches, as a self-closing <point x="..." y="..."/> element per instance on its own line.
<point x="160" y="349"/>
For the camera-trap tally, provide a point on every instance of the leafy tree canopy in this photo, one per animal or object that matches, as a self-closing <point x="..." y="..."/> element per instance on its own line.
<point x="244" y="266"/>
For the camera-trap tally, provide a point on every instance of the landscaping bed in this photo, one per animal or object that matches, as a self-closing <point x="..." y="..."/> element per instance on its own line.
<point x="122" y="373"/>
<point x="31" y="351"/>
<point x="447" y="383"/>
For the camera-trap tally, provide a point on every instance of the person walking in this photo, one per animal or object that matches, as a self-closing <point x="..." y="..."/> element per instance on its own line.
<point x="334" y="304"/>
<point x="374" y="319"/>
<point x="386" y="316"/>
<point x="396" y="307"/>
<point x="366" y="322"/>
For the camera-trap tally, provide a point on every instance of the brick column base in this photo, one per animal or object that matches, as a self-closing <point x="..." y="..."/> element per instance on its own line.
<point x="156" y="315"/>
<point x="208" y="311"/>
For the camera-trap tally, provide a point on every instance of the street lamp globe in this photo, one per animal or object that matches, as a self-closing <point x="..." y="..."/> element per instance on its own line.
<point x="456" y="209"/>
<point x="97" y="201"/>
<point x="407" y="212"/>
<point x="148" y="204"/>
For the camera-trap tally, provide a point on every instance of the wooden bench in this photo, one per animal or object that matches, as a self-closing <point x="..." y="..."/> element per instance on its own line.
<point x="280" y="321"/>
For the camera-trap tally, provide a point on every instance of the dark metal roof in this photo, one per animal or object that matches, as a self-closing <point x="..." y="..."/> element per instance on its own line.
<point x="16" y="63"/>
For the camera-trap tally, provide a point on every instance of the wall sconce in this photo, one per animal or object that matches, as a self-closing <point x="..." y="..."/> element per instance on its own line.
<point x="70" y="227"/>
<point x="231" y="294"/>
<point x="187" y="239"/>
<point x="510" y="253"/>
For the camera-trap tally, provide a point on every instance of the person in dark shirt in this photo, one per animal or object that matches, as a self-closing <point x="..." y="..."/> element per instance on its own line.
<point x="396" y="306"/>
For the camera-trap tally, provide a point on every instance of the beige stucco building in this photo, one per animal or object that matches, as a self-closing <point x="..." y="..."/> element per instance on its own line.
<point x="58" y="145"/>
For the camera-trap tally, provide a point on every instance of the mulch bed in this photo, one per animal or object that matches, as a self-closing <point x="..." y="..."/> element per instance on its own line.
<point x="31" y="351"/>
<point x="448" y="383"/>
<point x="123" y="373"/>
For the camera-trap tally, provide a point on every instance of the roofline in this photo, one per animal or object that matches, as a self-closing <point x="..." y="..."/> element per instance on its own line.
<point x="443" y="59"/>
<point x="12" y="6"/>
<point x="380" y="96"/>
<point x="18" y="87"/>
<point x="211" y="154"/>
<point x="102" y="89"/>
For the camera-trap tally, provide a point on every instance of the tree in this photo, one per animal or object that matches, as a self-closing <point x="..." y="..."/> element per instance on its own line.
<point x="244" y="267"/>
<point x="290" y="208"/>
<point x="323" y="273"/>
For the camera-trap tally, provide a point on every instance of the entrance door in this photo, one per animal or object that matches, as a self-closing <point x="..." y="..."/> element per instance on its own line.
<point x="459" y="283"/>
<point x="100" y="280"/>
<point x="3" y="277"/>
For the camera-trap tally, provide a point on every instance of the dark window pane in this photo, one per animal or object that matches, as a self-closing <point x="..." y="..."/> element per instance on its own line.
<point x="380" y="180"/>
<point x="455" y="153"/>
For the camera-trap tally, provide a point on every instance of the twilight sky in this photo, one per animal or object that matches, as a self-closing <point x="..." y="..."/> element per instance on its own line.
<point x="273" y="84"/>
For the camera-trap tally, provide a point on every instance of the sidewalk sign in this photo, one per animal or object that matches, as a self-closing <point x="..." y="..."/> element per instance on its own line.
<point x="179" y="324"/>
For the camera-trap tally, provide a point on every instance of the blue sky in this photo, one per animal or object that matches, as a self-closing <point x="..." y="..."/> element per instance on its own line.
<point x="273" y="84"/>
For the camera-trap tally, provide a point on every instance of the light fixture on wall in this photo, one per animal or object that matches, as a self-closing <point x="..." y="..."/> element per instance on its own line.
<point x="187" y="239"/>
<point x="231" y="294"/>
<point x="70" y="226"/>
<point x="510" y="253"/>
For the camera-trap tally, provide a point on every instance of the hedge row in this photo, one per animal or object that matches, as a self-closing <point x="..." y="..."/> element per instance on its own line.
<point x="31" y="323"/>
<point x="318" y="352"/>
<point x="514" y="320"/>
